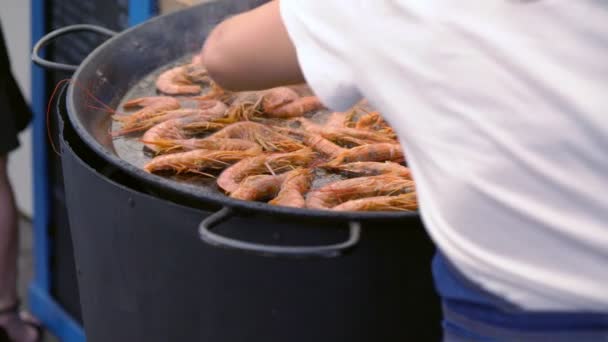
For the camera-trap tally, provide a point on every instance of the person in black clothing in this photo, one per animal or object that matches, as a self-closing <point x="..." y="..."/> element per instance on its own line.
<point x="14" y="117"/>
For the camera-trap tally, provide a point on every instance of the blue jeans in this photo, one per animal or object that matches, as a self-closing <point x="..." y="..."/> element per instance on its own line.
<point x="472" y="314"/>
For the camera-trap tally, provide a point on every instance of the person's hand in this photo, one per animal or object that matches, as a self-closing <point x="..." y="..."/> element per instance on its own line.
<point x="251" y="51"/>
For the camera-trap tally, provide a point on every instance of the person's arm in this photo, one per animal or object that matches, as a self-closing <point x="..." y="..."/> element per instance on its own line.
<point x="252" y="51"/>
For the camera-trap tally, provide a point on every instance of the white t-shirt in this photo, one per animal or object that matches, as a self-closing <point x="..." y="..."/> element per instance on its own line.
<point x="502" y="108"/>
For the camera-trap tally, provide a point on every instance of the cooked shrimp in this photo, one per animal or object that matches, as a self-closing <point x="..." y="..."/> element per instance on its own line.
<point x="405" y="202"/>
<point x="298" y="107"/>
<point x="283" y="102"/>
<point x="368" y="120"/>
<point x="359" y="169"/>
<point x="168" y="130"/>
<point x="278" y="97"/>
<point x="315" y="141"/>
<point x="260" y="134"/>
<point x="323" y="146"/>
<point x="309" y="126"/>
<point x="195" y="161"/>
<point x="374" y="121"/>
<point x="142" y="125"/>
<point x="215" y="93"/>
<point x="175" y="81"/>
<point x="141" y="102"/>
<point x="344" y="134"/>
<point x="258" y="187"/>
<point x="213" y="108"/>
<point x="196" y="73"/>
<point x="293" y="188"/>
<point x="201" y="126"/>
<point x="337" y="120"/>
<point x="335" y="193"/>
<point x="151" y="106"/>
<point x="230" y="178"/>
<point x="207" y="111"/>
<point x="160" y="145"/>
<point x="371" y="152"/>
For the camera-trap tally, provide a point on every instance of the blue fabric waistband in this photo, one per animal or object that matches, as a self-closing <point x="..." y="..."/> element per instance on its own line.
<point x="463" y="297"/>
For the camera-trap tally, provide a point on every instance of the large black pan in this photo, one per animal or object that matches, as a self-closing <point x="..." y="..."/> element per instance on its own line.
<point x="119" y="63"/>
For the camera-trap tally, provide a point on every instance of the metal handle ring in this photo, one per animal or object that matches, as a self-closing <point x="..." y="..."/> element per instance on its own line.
<point x="49" y="37"/>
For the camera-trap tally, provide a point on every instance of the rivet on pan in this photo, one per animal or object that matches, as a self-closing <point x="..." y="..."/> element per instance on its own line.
<point x="276" y="236"/>
<point x="131" y="202"/>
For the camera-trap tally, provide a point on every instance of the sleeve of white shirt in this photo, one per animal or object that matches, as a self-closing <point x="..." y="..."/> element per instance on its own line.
<point x="321" y="50"/>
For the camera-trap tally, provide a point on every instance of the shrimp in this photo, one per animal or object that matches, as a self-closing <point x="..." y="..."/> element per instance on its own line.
<point x="213" y="108"/>
<point x="293" y="188"/>
<point x="195" y="161"/>
<point x="323" y="146"/>
<point x="373" y="121"/>
<point x="368" y="120"/>
<point x="278" y="97"/>
<point x="142" y="125"/>
<point x="230" y="178"/>
<point x="298" y="107"/>
<point x="168" y="130"/>
<point x="372" y="169"/>
<point x="405" y="202"/>
<point x="151" y="106"/>
<point x="215" y="93"/>
<point x="160" y="145"/>
<point x="344" y="134"/>
<point x="316" y="142"/>
<point x="258" y="187"/>
<point x="283" y="102"/>
<point x="177" y="81"/>
<point x="202" y="126"/>
<point x="196" y="73"/>
<point x="309" y="126"/>
<point x="338" y="192"/>
<point x="260" y="134"/>
<point x="337" y="120"/>
<point x="207" y="111"/>
<point x="146" y="101"/>
<point x="371" y="152"/>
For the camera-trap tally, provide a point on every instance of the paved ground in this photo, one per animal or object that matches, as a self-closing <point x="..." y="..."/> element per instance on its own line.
<point x="26" y="265"/>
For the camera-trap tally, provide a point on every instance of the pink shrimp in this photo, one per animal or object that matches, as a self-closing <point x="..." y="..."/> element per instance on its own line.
<point x="230" y="178"/>
<point x="207" y="111"/>
<point x="344" y="134"/>
<point x="278" y="97"/>
<point x="371" y="152"/>
<point x="195" y="161"/>
<point x="337" y="120"/>
<point x="315" y="141"/>
<point x="176" y="81"/>
<point x="142" y="125"/>
<point x="293" y="188"/>
<point x="372" y="169"/>
<point x="168" y="130"/>
<point x="295" y="108"/>
<point x="260" y="134"/>
<point x="405" y="202"/>
<point x="160" y="145"/>
<point x="258" y="187"/>
<point x="283" y="102"/>
<point x="151" y="106"/>
<point x="338" y="192"/>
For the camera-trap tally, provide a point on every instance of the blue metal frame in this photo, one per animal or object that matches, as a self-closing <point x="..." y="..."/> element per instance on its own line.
<point x="140" y="11"/>
<point x="42" y="303"/>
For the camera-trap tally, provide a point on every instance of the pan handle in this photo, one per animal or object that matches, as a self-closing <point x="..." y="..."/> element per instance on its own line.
<point x="323" y="251"/>
<point x="49" y="37"/>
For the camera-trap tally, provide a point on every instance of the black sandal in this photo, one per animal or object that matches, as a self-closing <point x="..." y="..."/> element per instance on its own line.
<point x="14" y="310"/>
